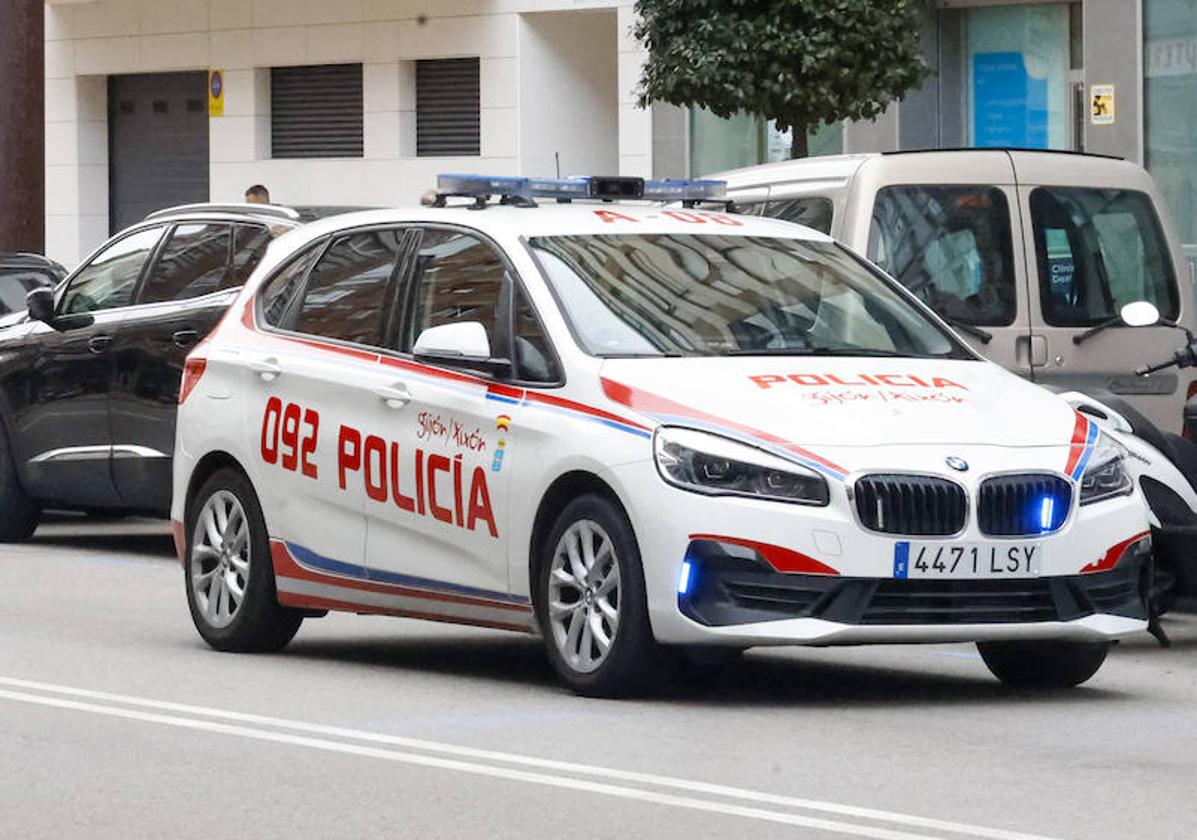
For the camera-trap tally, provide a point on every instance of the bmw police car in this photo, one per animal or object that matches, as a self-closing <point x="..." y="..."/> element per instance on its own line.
<point x="638" y="430"/>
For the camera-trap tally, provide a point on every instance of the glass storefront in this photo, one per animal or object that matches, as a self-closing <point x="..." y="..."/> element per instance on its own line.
<point x="717" y="144"/>
<point x="1018" y="60"/>
<point x="1170" y="107"/>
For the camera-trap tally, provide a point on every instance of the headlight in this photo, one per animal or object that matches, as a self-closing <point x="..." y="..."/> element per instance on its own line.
<point x="1105" y="475"/>
<point x="716" y="466"/>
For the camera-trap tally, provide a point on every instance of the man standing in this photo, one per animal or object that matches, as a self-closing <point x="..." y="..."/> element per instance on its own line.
<point x="257" y="194"/>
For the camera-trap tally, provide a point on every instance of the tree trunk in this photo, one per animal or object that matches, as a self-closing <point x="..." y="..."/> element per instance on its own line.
<point x="798" y="144"/>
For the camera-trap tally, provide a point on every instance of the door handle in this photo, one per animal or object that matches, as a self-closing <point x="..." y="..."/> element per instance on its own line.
<point x="268" y="369"/>
<point x="395" y="396"/>
<point x="185" y="338"/>
<point x="99" y="343"/>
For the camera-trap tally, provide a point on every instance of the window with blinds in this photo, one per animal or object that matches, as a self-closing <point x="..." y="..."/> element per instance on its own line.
<point x="447" y="107"/>
<point x="316" y="111"/>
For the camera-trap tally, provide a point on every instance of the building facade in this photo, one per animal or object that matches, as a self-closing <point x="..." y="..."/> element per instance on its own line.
<point x="362" y="102"/>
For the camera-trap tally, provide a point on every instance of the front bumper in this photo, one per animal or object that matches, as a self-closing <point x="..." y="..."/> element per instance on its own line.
<point x="830" y="581"/>
<point x="727" y="591"/>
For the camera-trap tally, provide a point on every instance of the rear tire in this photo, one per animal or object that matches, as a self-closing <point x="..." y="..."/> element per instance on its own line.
<point x="591" y="604"/>
<point x="229" y="573"/>
<point x="18" y="513"/>
<point x="1043" y="664"/>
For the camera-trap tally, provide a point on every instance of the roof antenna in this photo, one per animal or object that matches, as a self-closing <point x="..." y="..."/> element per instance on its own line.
<point x="557" y="157"/>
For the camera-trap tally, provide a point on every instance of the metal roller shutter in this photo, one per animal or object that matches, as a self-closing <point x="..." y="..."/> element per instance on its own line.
<point x="316" y="112"/>
<point x="447" y="107"/>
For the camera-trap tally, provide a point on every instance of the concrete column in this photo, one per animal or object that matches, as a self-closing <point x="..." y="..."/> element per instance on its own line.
<point x="22" y="125"/>
<point x="1114" y="55"/>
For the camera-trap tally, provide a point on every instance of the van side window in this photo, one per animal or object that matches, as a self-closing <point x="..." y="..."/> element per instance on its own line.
<point x="813" y="211"/>
<point x="950" y="246"/>
<point x="1097" y="250"/>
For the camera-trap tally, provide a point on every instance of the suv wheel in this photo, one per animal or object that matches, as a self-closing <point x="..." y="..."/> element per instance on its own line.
<point x="18" y="513"/>
<point x="229" y="573"/>
<point x="1043" y="664"/>
<point x="591" y="604"/>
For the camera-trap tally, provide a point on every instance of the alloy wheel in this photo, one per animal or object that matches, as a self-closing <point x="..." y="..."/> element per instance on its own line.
<point x="584" y="596"/>
<point x="220" y="557"/>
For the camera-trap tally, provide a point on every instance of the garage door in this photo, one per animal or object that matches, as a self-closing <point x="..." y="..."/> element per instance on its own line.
<point x="158" y="143"/>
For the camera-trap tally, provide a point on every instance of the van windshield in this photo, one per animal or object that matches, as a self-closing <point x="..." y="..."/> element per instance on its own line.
<point x="1097" y="250"/>
<point x="951" y="246"/>
<point x="710" y="295"/>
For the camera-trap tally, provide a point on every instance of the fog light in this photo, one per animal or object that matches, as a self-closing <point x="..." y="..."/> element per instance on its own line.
<point x="685" y="578"/>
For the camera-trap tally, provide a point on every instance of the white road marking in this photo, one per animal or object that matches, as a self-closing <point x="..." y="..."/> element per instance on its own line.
<point x="555" y="780"/>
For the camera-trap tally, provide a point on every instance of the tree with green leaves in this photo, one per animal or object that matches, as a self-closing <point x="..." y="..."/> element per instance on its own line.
<point x="798" y="62"/>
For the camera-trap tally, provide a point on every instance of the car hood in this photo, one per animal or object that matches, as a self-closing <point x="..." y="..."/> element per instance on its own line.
<point x="844" y="402"/>
<point x="12" y="319"/>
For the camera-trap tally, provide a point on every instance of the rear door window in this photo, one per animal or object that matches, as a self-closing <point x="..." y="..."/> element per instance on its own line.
<point x="349" y="290"/>
<point x="952" y="247"/>
<point x="1097" y="250"/>
<point x="249" y="246"/>
<point x="813" y="211"/>
<point x="193" y="263"/>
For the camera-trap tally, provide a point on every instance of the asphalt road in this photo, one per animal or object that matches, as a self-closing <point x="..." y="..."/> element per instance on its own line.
<point x="116" y="721"/>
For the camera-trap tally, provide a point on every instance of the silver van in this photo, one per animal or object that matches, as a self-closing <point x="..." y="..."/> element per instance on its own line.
<point x="1030" y="255"/>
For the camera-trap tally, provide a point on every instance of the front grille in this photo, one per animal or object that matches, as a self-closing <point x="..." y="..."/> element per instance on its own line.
<point x="1023" y="505"/>
<point x="912" y="505"/>
<point x="961" y="602"/>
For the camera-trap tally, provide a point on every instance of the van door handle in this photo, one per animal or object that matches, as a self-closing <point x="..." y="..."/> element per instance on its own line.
<point x="99" y="343"/>
<point x="395" y="396"/>
<point x="185" y="338"/>
<point x="268" y="369"/>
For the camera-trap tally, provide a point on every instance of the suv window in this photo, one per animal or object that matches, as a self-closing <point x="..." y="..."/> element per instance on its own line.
<point x="1098" y="249"/>
<point x="16" y="283"/>
<point x="194" y="262"/>
<point x="278" y="294"/>
<point x="347" y="294"/>
<point x="814" y="212"/>
<point x="534" y="357"/>
<point x="109" y="280"/>
<point x="458" y="277"/>
<point x="249" y="246"/>
<point x="950" y="246"/>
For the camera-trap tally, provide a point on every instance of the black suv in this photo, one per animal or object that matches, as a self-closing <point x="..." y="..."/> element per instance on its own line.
<point x="89" y="377"/>
<point x="19" y="275"/>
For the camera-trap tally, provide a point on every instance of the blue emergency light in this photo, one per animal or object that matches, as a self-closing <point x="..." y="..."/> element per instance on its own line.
<point x="524" y="191"/>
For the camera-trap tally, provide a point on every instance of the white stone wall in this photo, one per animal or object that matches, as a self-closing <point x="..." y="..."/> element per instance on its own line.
<point x="88" y="41"/>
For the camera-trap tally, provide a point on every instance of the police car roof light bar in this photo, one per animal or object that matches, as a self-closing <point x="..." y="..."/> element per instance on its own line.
<point x="523" y="191"/>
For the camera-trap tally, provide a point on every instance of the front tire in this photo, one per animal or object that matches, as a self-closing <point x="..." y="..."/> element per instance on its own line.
<point x="229" y="573"/>
<point x="591" y="603"/>
<point x="1043" y="664"/>
<point x="18" y="513"/>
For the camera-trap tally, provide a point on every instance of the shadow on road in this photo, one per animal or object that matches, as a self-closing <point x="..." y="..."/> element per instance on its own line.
<point x="789" y="679"/>
<point x="97" y="535"/>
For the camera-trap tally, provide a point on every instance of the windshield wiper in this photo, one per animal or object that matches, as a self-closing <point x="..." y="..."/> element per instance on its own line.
<point x="1081" y="338"/>
<point x="984" y="336"/>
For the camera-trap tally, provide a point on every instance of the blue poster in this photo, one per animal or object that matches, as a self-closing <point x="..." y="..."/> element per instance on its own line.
<point x="1009" y="105"/>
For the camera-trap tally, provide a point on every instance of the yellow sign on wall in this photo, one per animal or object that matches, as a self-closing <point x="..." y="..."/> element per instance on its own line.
<point x="1101" y="104"/>
<point x="215" y="93"/>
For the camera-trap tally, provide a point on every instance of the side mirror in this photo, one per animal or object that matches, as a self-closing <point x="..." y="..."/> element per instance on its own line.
<point x="464" y="344"/>
<point x="40" y="303"/>
<point x="1141" y="313"/>
<point x="465" y="341"/>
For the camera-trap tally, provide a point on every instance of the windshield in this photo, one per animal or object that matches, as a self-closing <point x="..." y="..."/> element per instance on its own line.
<point x="1099" y="249"/>
<point x="708" y="295"/>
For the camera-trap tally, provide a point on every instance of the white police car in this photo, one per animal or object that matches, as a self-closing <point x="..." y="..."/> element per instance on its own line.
<point x="638" y="430"/>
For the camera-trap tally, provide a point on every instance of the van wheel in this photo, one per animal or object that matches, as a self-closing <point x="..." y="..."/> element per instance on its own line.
<point x="591" y="605"/>
<point x="18" y="513"/>
<point x="229" y="573"/>
<point x="1043" y="664"/>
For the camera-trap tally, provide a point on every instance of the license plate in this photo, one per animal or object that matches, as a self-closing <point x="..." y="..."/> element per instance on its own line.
<point x="967" y="560"/>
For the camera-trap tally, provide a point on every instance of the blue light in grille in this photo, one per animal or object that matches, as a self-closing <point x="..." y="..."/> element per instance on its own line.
<point x="1046" y="508"/>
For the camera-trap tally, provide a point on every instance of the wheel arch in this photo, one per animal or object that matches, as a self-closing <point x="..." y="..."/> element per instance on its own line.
<point x="205" y="468"/>
<point x="564" y="489"/>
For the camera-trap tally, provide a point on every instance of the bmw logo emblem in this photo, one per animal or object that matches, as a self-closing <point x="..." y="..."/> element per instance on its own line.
<point x="958" y="464"/>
